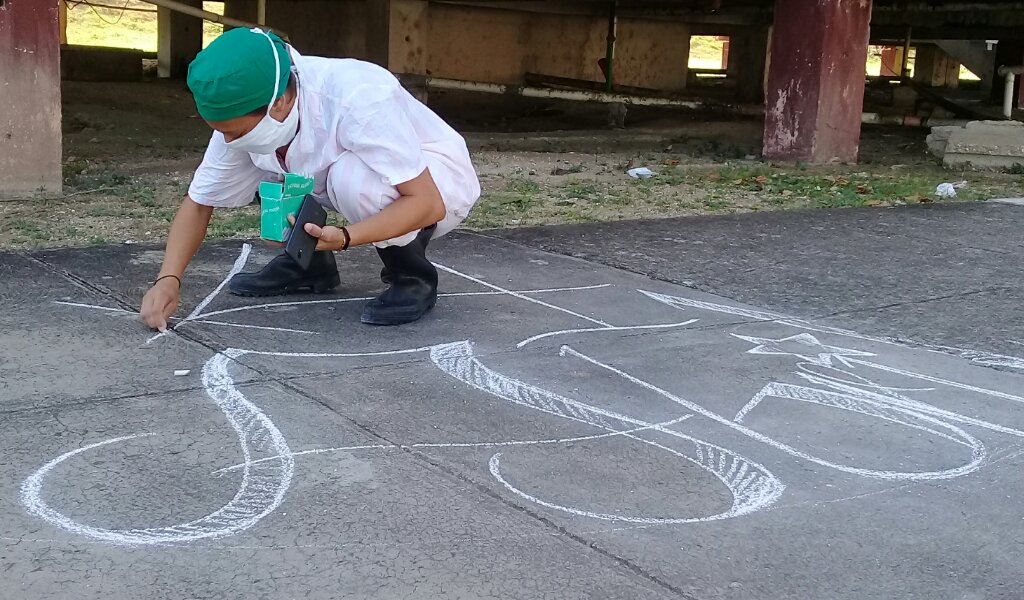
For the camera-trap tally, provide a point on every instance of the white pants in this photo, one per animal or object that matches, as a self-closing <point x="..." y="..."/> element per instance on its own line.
<point x="357" y="192"/>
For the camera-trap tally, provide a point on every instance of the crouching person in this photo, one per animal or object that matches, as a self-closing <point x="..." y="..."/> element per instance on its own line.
<point x="396" y="171"/>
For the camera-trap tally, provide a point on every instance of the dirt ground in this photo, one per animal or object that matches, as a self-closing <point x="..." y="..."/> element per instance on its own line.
<point x="130" y="150"/>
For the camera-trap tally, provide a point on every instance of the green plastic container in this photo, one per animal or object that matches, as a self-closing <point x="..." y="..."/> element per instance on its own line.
<point x="278" y="202"/>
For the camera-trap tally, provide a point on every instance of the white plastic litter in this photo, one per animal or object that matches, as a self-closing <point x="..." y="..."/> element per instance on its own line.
<point x="945" y="190"/>
<point x="181" y="372"/>
<point x="640" y="173"/>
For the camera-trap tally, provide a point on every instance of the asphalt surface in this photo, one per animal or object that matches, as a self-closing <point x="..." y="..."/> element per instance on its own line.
<point x="841" y="419"/>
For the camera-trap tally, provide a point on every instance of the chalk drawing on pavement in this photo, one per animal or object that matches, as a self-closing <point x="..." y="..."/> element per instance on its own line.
<point x="828" y="375"/>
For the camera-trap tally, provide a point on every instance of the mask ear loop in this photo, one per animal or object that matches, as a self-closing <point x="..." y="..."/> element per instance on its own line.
<point x="277" y="66"/>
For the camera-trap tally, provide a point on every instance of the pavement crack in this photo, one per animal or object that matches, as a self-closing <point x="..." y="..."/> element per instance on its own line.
<point x="944" y="241"/>
<point x="626" y="563"/>
<point x="853" y="311"/>
<point x="83" y="283"/>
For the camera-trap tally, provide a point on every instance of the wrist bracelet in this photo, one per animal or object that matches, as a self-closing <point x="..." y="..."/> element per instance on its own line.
<point x="167" y="276"/>
<point x="348" y="238"/>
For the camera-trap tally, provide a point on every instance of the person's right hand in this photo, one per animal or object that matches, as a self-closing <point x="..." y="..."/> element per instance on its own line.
<point x="160" y="302"/>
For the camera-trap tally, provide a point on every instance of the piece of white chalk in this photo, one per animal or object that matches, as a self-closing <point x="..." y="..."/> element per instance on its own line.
<point x="181" y="372"/>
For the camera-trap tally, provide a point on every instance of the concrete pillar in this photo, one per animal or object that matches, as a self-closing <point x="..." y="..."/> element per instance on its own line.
<point x="179" y="40"/>
<point x="748" y="58"/>
<point x="815" y="91"/>
<point x="30" y="140"/>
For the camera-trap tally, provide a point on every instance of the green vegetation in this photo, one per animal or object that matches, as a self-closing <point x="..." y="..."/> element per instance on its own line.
<point x="134" y="27"/>
<point x="241" y="222"/>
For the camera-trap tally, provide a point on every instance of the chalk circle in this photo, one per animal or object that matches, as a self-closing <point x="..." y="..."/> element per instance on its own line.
<point x="758" y="491"/>
<point x="613" y="476"/>
<point x="262" y="488"/>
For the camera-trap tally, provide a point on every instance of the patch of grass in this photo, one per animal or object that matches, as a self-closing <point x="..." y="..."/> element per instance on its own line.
<point x="669" y="175"/>
<point x="714" y="203"/>
<point x="521" y="185"/>
<point x="91" y="180"/>
<point x="235" y="223"/>
<point x="166" y="214"/>
<point x="777" y="188"/>
<point x="72" y="169"/>
<point x="28" y="230"/>
<point x="507" y="205"/>
<point x="581" y="190"/>
<point x="104" y="210"/>
<point x="497" y="209"/>
<point x="144" y="195"/>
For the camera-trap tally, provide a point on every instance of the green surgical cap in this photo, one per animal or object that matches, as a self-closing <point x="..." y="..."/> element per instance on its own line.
<point x="234" y="75"/>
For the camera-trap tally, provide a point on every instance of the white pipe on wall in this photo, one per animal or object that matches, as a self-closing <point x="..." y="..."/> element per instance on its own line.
<point x="1010" y="73"/>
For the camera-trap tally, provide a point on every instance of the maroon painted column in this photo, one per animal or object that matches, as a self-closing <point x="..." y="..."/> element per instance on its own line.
<point x="815" y="90"/>
<point x="30" y="142"/>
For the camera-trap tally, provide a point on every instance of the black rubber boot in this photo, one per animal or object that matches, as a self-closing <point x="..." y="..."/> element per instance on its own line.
<point x="412" y="280"/>
<point x="284" y="276"/>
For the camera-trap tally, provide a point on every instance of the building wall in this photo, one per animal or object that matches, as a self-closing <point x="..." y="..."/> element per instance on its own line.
<point x="475" y="43"/>
<point x="30" y="137"/>
<point x="315" y="27"/>
<point x="501" y="46"/>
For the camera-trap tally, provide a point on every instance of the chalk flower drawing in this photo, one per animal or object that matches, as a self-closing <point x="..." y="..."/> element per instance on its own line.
<point x="267" y="462"/>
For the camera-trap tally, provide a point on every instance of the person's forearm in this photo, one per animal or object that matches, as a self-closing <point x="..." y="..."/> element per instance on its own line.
<point x="187" y="233"/>
<point x="407" y="213"/>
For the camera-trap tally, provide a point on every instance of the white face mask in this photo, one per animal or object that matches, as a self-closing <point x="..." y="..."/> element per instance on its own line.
<point x="270" y="134"/>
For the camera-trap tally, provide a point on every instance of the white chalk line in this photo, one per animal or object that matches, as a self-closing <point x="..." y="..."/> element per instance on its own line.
<point x="1010" y="455"/>
<point x="939" y="380"/>
<point x="261" y="490"/>
<point x="752" y="485"/>
<point x="847" y="356"/>
<point x="860" y="380"/>
<point x="977" y="356"/>
<point x="825" y="353"/>
<point x="259" y="327"/>
<point x="364" y="299"/>
<point x="887" y="490"/>
<point x="520" y="296"/>
<point x="610" y="328"/>
<point x="236" y="268"/>
<point x="766" y="492"/>
<point x="97" y="307"/>
<point x="236" y="352"/>
<point x="460" y="445"/>
<point x="893" y="397"/>
<point x="978" y="450"/>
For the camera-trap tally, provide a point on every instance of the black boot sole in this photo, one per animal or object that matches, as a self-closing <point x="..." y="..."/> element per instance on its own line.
<point x="316" y="287"/>
<point x="395" y="318"/>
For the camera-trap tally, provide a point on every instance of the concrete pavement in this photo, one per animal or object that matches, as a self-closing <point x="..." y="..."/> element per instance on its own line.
<point x="555" y="428"/>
